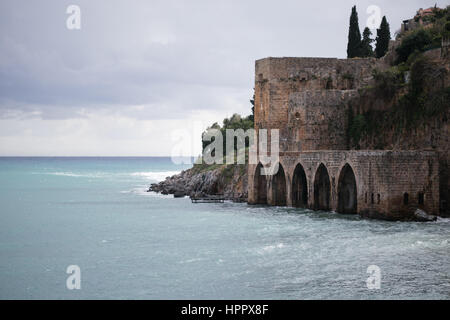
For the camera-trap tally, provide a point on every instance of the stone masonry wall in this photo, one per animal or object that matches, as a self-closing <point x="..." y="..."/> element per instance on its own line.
<point x="307" y="100"/>
<point x="382" y="179"/>
<point x="277" y="78"/>
<point x="317" y="120"/>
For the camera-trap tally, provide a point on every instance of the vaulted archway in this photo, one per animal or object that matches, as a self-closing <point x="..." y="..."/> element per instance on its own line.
<point x="299" y="187"/>
<point x="260" y="186"/>
<point x="279" y="187"/>
<point x="347" y="193"/>
<point x="322" y="189"/>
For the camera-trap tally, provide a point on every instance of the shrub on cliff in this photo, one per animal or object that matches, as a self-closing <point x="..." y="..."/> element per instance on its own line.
<point x="387" y="82"/>
<point x="426" y="76"/>
<point x="418" y="40"/>
<point x="356" y="127"/>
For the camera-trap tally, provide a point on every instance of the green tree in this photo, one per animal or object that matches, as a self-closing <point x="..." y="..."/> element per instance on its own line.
<point x="234" y="122"/>
<point x="252" y="101"/>
<point x="383" y="38"/>
<point x="418" y="40"/>
<point x="354" y="36"/>
<point x="366" y="44"/>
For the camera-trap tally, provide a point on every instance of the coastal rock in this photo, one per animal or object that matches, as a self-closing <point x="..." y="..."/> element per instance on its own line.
<point x="179" y="194"/>
<point x="230" y="181"/>
<point x="422" y="216"/>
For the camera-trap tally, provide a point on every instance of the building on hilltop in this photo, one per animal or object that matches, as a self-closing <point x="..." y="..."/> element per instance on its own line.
<point x="423" y="18"/>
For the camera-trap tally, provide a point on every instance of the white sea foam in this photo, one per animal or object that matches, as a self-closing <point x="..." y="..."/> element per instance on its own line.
<point x="76" y="175"/>
<point x="443" y="220"/>
<point x="154" y="175"/>
<point x="142" y="191"/>
<point x="271" y="248"/>
<point x="192" y="260"/>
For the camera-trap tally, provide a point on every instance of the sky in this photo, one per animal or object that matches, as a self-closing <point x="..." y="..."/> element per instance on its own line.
<point x="145" y="78"/>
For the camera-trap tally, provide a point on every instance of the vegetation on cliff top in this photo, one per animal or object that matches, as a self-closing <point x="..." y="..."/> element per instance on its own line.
<point x="414" y="88"/>
<point x="354" y="36"/>
<point x="419" y="98"/>
<point x="383" y="38"/>
<point x="425" y="38"/>
<point x="366" y="43"/>
<point x="234" y="122"/>
<point x="357" y="47"/>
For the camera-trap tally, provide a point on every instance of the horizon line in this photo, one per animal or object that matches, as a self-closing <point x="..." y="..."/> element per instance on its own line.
<point x="97" y="157"/>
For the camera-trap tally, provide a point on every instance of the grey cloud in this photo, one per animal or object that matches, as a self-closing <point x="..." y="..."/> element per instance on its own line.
<point x="169" y="57"/>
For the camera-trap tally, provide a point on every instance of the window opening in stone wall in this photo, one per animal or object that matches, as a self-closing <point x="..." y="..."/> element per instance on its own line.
<point x="405" y="198"/>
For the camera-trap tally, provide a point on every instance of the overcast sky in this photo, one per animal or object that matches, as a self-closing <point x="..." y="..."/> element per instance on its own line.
<point x="138" y="72"/>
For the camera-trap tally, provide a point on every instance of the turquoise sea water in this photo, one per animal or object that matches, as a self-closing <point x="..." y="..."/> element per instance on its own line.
<point x="95" y="213"/>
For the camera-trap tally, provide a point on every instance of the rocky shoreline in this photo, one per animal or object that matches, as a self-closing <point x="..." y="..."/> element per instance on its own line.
<point x="229" y="181"/>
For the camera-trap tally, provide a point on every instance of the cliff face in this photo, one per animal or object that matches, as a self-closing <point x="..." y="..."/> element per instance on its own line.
<point x="427" y="134"/>
<point x="408" y="114"/>
<point x="227" y="180"/>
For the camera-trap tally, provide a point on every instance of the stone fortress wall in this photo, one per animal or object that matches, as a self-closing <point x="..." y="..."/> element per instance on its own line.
<point x="307" y="100"/>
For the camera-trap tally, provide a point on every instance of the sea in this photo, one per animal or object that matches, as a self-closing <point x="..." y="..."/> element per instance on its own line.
<point x="86" y="228"/>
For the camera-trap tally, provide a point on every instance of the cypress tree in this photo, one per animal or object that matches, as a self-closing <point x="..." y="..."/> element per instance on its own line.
<point x="252" y="101"/>
<point x="383" y="37"/>
<point x="354" y="36"/>
<point x="366" y="44"/>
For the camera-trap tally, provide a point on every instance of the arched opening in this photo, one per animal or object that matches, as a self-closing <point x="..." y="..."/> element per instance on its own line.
<point x="279" y="187"/>
<point x="299" y="188"/>
<point x="322" y="189"/>
<point x="260" y="186"/>
<point x="347" y="193"/>
<point x="405" y="198"/>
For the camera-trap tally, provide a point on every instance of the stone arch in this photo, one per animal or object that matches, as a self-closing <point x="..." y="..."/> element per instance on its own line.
<point x="279" y="187"/>
<point x="322" y="188"/>
<point x="299" y="187"/>
<point x="260" y="186"/>
<point x="347" y="191"/>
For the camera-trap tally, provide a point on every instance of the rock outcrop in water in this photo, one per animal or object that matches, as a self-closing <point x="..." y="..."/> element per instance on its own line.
<point x="422" y="216"/>
<point x="201" y="180"/>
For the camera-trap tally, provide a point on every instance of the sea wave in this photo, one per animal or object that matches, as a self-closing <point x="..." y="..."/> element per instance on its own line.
<point x="155" y="175"/>
<point x="443" y="220"/>
<point x="271" y="248"/>
<point x="76" y="175"/>
<point x="143" y="191"/>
